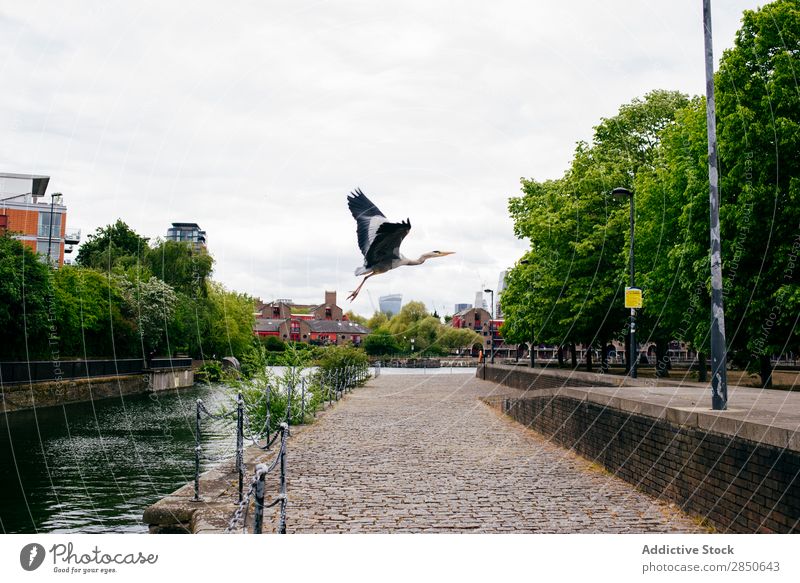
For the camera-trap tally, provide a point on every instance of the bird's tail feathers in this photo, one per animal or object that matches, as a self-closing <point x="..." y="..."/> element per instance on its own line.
<point x="361" y="270"/>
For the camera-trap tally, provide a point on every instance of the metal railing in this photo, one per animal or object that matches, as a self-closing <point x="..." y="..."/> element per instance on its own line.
<point x="339" y="381"/>
<point x="47" y="370"/>
<point x="257" y="491"/>
<point x="332" y="384"/>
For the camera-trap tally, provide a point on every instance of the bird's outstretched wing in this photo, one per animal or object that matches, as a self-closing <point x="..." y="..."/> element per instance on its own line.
<point x="386" y="243"/>
<point x="368" y="219"/>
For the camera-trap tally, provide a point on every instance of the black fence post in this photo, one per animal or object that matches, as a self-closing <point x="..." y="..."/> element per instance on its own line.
<point x="240" y="442"/>
<point x="258" y="518"/>
<point x="198" y="404"/>
<point x="282" y="523"/>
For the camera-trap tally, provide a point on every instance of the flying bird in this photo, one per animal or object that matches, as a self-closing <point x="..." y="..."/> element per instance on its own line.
<point x="380" y="240"/>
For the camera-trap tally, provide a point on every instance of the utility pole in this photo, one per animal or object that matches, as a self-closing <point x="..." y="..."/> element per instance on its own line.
<point x="719" y="376"/>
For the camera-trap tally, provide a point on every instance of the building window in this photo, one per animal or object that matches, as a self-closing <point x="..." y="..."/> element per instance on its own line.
<point x="55" y="249"/>
<point x="44" y="225"/>
<point x="276" y="312"/>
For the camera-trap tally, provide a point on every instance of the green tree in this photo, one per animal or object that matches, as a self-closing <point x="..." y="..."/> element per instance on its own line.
<point x="112" y="245"/>
<point x="353" y="317"/>
<point x="451" y="339"/>
<point x="24" y="290"/>
<point x="570" y="289"/>
<point x="91" y="315"/>
<point x="180" y="265"/>
<point x="409" y="315"/>
<point x="381" y="342"/>
<point x="377" y="320"/>
<point x="758" y="106"/>
<point x="151" y="304"/>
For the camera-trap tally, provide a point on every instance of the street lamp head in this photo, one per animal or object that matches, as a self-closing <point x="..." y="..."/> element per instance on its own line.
<point x="619" y="191"/>
<point x="489" y="291"/>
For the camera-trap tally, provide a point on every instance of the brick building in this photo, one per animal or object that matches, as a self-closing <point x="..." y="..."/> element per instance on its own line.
<point x="472" y="318"/>
<point x="40" y="224"/>
<point x="317" y="324"/>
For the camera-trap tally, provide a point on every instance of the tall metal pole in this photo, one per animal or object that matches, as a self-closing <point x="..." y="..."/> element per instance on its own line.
<point x="50" y="233"/>
<point x="634" y="347"/>
<point x="719" y="376"/>
<point x="491" y="323"/>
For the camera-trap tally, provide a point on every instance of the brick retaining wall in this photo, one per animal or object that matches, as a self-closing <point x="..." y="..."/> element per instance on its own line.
<point x="523" y="378"/>
<point x="738" y="485"/>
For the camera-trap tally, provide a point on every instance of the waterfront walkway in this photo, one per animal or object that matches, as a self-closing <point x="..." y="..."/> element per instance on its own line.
<point x="424" y="454"/>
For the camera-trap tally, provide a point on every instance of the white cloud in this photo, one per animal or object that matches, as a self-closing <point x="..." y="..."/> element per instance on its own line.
<point x="256" y="119"/>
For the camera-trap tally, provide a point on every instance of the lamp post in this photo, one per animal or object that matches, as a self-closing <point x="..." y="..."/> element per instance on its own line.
<point x="491" y="317"/>
<point x="719" y="374"/>
<point x="633" y="349"/>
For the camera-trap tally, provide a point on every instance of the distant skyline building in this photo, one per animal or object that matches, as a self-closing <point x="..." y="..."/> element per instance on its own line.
<point x="461" y="308"/>
<point x="480" y="301"/>
<point x="187" y="233"/>
<point x="390" y="305"/>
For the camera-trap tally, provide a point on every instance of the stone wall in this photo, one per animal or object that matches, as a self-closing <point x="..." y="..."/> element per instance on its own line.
<point x="165" y="379"/>
<point x="50" y="393"/>
<point x="738" y="485"/>
<point x="525" y="379"/>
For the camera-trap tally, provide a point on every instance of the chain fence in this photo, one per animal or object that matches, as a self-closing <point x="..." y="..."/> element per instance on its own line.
<point x="304" y="394"/>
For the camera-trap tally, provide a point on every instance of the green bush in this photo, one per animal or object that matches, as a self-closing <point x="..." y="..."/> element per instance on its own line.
<point x="272" y="343"/>
<point x="210" y="372"/>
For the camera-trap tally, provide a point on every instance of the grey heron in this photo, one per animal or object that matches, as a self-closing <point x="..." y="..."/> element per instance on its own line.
<point x="380" y="240"/>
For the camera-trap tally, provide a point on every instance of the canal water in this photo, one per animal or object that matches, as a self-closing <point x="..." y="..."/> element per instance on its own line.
<point x="95" y="467"/>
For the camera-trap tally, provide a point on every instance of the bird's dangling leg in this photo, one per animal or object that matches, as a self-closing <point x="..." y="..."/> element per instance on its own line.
<point x="353" y="294"/>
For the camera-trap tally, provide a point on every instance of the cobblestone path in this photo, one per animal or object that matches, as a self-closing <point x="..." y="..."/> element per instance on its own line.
<point x="423" y="454"/>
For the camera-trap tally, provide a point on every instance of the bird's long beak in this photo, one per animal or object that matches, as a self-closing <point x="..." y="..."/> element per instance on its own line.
<point x="446" y="252"/>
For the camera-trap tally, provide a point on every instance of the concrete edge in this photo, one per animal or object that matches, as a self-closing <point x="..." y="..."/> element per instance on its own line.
<point x="699" y="418"/>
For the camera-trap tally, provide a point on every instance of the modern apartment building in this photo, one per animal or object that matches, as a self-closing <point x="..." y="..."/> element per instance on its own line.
<point x="38" y="221"/>
<point x="187" y="233"/>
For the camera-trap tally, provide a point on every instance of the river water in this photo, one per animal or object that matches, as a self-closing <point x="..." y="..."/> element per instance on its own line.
<point x="95" y="467"/>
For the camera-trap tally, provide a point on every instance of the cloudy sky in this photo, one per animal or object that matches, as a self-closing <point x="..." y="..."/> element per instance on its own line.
<point x="255" y="119"/>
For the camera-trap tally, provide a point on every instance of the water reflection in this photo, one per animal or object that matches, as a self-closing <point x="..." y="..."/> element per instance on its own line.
<point x="94" y="467"/>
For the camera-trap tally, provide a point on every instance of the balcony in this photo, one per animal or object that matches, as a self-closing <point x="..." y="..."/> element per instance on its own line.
<point x="72" y="236"/>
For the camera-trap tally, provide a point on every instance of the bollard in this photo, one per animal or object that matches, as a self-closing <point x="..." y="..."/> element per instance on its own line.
<point x="197" y="450"/>
<point x="282" y="523"/>
<point x="240" y="441"/>
<point x="258" y="518"/>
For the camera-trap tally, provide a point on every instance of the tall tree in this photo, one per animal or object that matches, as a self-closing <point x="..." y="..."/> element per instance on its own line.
<point x="758" y="104"/>
<point x="25" y="288"/>
<point x="575" y="272"/>
<point x="111" y="246"/>
<point x="180" y="265"/>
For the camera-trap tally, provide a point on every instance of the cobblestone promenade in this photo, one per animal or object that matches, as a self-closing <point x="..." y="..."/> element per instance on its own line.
<point x="423" y="454"/>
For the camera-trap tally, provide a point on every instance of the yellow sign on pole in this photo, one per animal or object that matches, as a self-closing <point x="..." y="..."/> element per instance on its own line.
<point x="633" y="297"/>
